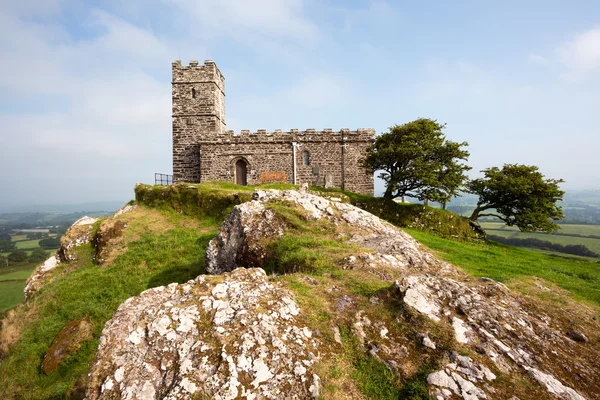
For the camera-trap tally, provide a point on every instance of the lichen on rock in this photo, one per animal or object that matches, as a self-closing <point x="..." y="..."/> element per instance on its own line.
<point x="223" y="337"/>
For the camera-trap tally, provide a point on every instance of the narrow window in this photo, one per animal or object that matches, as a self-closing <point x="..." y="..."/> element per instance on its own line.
<point x="305" y="160"/>
<point x="193" y="93"/>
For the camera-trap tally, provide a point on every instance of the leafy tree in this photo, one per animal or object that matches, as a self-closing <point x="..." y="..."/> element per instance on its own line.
<point x="5" y="237"/>
<point x="3" y="261"/>
<point x="520" y="196"/>
<point x="7" y="245"/>
<point x="417" y="161"/>
<point x="49" y="243"/>
<point x="38" y="255"/>
<point x="18" y="256"/>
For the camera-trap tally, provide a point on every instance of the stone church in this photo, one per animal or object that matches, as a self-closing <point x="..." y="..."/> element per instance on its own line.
<point x="203" y="150"/>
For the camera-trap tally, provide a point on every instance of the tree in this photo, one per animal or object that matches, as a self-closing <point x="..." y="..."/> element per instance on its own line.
<point x="49" y="243"/>
<point x="417" y="161"/>
<point x="520" y="196"/>
<point x="18" y="256"/>
<point x="38" y="255"/>
<point x="3" y="261"/>
<point x="6" y="246"/>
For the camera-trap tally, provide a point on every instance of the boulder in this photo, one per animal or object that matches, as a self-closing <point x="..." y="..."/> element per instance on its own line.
<point x="79" y="233"/>
<point x="66" y="343"/>
<point x="225" y="337"/>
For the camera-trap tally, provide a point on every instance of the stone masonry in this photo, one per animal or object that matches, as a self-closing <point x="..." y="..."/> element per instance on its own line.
<point x="203" y="150"/>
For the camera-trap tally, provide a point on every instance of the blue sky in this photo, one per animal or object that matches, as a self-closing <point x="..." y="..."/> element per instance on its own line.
<point x="85" y="85"/>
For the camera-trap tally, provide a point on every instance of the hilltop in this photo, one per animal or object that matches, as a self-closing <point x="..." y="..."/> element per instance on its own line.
<point x="334" y="302"/>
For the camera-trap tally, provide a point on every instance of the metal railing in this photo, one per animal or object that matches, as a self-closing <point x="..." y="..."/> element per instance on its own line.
<point x="163" y="179"/>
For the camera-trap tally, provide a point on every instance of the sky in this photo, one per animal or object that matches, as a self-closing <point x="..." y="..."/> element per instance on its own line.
<point x="85" y="92"/>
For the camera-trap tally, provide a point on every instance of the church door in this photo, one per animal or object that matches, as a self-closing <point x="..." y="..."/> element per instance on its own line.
<point x="241" y="172"/>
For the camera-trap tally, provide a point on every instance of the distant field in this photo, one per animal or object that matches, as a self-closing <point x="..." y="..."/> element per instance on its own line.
<point x="573" y="229"/>
<point x="12" y="284"/>
<point x="27" y="244"/>
<point x="18" y="237"/>
<point x="23" y="274"/>
<point x="5" y="254"/>
<point x="499" y="229"/>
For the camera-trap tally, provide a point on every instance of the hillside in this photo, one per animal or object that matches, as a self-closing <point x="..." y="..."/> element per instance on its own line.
<point x="335" y="304"/>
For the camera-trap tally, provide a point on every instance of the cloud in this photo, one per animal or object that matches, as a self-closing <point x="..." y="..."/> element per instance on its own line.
<point x="269" y="20"/>
<point x="537" y="59"/>
<point x="581" y="55"/>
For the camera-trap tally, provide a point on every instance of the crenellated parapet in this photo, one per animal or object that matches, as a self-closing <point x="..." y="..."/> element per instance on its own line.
<point x="312" y="135"/>
<point x="195" y="74"/>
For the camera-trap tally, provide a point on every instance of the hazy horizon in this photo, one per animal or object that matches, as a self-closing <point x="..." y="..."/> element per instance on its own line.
<point x="85" y="87"/>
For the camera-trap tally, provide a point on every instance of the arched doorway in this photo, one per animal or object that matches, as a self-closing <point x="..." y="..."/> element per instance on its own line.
<point x="241" y="172"/>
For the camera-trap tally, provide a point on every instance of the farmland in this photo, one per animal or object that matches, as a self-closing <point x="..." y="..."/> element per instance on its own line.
<point x="568" y="235"/>
<point x="12" y="283"/>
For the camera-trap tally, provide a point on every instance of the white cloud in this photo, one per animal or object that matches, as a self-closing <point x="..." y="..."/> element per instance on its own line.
<point x="537" y="59"/>
<point x="581" y="55"/>
<point x="251" y="20"/>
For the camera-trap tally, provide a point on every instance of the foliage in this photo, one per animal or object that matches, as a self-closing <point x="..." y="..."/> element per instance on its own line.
<point x="7" y="245"/>
<point x="38" y="255"/>
<point x="417" y="161"/>
<point x="49" y="243"/>
<point x="576" y="249"/>
<point x="37" y="235"/>
<point x="17" y="256"/>
<point x="520" y="196"/>
<point x="5" y="237"/>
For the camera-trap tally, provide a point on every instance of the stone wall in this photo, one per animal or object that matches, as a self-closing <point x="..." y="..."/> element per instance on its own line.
<point x="204" y="151"/>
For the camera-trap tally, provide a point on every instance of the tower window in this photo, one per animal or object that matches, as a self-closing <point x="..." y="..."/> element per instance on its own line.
<point x="305" y="159"/>
<point x="193" y="93"/>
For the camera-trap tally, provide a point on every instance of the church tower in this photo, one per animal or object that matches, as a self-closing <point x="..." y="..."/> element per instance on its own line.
<point x="198" y="115"/>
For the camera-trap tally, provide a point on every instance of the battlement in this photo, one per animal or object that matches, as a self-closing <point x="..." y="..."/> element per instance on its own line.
<point x="195" y="73"/>
<point x="327" y="133"/>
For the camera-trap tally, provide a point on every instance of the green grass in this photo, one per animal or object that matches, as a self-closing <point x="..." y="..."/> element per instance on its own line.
<point x="503" y="263"/>
<point x="21" y="274"/>
<point x="11" y="293"/>
<point x="27" y="244"/>
<point x="89" y="291"/>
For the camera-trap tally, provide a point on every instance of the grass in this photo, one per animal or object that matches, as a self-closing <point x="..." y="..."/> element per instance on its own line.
<point x="11" y="293"/>
<point x="506" y="263"/>
<point x="88" y="291"/>
<point x="12" y="283"/>
<point x="27" y="244"/>
<point x="21" y="274"/>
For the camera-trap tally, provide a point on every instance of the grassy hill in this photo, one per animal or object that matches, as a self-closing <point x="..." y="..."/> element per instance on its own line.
<point x="165" y="242"/>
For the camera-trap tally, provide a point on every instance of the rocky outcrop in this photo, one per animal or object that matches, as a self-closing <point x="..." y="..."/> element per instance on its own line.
<point x="240" y="241"/>
<point x="109" y="233"/>
<point x="508" y="334"/>
<point x="79" y="233"/>
<point x="488" y="318"/>
<point x="222" y="337"/>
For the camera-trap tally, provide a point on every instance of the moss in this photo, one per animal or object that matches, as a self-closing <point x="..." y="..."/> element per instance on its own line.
<point x="197" y="200"/>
